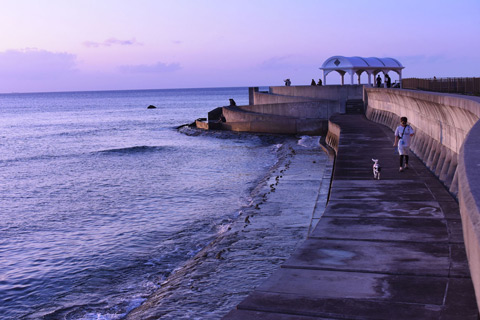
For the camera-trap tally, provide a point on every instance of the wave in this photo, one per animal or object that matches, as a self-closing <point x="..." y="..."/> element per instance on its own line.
<point x="45" y="157"/>
<point x="128" y="150"/>
<point x="132" y="150"/>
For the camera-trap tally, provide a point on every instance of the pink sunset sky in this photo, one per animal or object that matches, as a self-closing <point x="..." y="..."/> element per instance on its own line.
<point x="55" y="45"/>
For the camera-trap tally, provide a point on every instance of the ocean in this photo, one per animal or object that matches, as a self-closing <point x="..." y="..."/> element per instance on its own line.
<point x="102" y="199"/>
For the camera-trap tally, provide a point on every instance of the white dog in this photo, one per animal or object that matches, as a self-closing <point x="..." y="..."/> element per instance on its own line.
<point x="376" y="169"/>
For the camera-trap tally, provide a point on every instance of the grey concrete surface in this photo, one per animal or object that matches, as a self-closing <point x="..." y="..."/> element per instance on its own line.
<point x="388" y="249"/>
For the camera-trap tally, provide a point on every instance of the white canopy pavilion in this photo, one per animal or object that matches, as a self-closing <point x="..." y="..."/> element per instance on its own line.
<point x="358" y="65"/>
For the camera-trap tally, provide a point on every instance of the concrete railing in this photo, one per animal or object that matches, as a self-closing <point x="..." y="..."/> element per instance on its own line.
<point x="447" y="85"/>
<point x="469" y="201"/>
<point x="447" y="139"/>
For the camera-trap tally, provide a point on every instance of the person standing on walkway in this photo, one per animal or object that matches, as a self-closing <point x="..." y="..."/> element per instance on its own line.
<point x="403" y="136"/>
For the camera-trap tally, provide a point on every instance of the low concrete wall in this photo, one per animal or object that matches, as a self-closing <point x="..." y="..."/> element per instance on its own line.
<point x="287" y="126"/>
<point x="269" y="98"/>
<point x="337" y="93"/>
<point x="469" y="201"/>
<point x="333" y="136"/>
<point x="305" y="109"/>
<point x="448" y="141"/>
<point x="201" y="124"/>
<point x="241" y="120"/>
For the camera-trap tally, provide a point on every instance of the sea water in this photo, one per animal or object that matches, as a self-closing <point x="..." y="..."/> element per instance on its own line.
<point x="102" y="198"/>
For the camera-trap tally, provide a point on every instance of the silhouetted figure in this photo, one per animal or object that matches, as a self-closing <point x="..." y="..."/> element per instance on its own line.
<point x="313" y="83"/>
<point x="379" y="81"/>
<point x="388" y="81"/>
<point x="319" y="82"/>
<point x="287" y="82"/>
<point x="232" y="103"/>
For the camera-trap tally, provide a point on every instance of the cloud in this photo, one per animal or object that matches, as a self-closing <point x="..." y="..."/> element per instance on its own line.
<point x="281" y="62"/>
<point x="159" y="67"/>
<point x="112" y="42"/>
<point x="33" y="63"/>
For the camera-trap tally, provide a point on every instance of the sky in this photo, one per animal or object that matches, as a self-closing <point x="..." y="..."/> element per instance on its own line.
<point x="58" y="45"/>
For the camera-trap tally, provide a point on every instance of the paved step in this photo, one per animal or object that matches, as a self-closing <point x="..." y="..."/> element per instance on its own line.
<point x="355" y="106"/>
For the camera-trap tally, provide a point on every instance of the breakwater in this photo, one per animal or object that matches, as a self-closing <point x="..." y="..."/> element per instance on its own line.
<point x="383" y="249"/>
<point x="447" y="143"/>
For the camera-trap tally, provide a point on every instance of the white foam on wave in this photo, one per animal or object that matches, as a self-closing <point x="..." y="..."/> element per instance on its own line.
<point x="222" y="228"/>
<point x="311" y="142"/>
<point x="133" y="304"/>
<point x="276" y="147"/>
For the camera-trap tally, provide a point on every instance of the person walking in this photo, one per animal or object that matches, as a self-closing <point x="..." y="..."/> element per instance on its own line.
<point x="403" y="136"/>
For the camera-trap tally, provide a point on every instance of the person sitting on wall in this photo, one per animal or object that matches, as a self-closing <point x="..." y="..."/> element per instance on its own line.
<point x="287" y="82"/>
<point x="313" y="83"/>
<point x="232" y="103"/>
<point x="379" y="81"/>
<point x="319" y="82"/>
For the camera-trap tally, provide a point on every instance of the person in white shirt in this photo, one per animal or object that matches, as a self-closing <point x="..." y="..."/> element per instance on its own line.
<point x="403" y="136"/>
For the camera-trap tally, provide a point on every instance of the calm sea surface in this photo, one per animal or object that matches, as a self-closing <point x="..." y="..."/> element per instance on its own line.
<point x="102" y="198"/>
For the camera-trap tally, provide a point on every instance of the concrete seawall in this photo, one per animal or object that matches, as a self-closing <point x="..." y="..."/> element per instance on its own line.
<point x="448" y="142"/>
<point x="447" y="136"/>
<point x="304" y="117"/>
<point x="338" y="95"/>
<point x="286" y="110"/>
<point x="382" y="249"/>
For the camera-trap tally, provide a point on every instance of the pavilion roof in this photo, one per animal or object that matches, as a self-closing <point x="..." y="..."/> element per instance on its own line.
<point x="360" y="63"/>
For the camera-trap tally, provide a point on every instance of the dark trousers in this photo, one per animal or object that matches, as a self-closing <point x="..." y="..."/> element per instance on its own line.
<point x="401" y="160"/>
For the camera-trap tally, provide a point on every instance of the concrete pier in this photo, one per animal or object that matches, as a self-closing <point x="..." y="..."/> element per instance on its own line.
<point x="388" y="249"/>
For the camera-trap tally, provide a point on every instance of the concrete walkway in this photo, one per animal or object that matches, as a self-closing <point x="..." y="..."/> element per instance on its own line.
<point x="388" y="249"/>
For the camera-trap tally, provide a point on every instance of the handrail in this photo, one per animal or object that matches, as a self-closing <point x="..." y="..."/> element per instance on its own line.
<point x="447" y="85"/>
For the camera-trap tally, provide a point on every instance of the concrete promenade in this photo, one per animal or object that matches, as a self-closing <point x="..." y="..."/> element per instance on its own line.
<point x="388" y="249"/>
